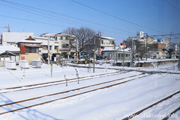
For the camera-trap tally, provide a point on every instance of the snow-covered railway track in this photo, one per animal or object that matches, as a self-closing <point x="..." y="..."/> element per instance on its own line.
<point x="75" y="92"/>
<point x="168" y="116"/>
<point x="152" y="105"/>
<point x="53" y="83"/>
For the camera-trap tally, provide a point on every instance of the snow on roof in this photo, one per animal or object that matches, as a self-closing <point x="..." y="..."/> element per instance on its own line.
<point x="26" y="41"/>
<point x="107" y="38"/>
<point x="29" y="40"/>
<point x="15" y="36"/>
<point x="117" y="48"/>
<point x="8" y="48"/>
<point x="109" y="48"/>
<point x="42" y="38"/>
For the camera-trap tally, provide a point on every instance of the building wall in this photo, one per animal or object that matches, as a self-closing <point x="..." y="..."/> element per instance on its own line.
<point x="11" y="38"/>
<point x="30" y="56"/>
<point x="107" y="42"/>
<point x="161" y="46"/>
<point x="117" y="55"/>
<point x="53" y="45"/>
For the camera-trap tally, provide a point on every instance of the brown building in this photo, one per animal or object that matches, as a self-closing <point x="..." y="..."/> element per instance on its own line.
<point x="29" y="49"/>
<point x="161" y="47"/>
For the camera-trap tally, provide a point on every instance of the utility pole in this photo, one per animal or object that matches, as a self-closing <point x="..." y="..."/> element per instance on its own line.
<point x="170" y="47"/>
<point x="94" y="55"/>
<point x="146" y="46"/>
<point x="179" y="53"/>
<point x="48" y="51"/>
<point x="123" y="56"/>
<point x="114" y="54"/>
<point x="77" y="42"/>
<point x="7" y="27"/>
<point x="132" y="54"/>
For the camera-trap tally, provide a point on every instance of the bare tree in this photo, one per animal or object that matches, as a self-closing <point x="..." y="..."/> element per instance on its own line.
<point x="82" y="34"/>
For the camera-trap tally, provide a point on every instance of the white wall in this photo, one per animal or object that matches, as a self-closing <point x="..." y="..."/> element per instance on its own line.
<point x="14" y="37"/>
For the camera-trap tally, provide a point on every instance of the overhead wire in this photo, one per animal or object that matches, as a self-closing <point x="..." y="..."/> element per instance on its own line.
<point x="115" y="16"/>
<point x="22" y="10"/>
<point x="31" y="20"/>
<point x="52" y="12"/>
<point x="172" y="4"/>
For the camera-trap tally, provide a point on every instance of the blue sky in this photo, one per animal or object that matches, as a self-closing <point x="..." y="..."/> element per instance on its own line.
<point x="152" y="16"/>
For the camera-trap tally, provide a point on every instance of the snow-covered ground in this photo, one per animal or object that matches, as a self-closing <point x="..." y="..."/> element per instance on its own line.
<point x="112" y="103"/>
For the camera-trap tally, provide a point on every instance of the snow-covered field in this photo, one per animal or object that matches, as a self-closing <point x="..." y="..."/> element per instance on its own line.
<point x="90" y="99"/>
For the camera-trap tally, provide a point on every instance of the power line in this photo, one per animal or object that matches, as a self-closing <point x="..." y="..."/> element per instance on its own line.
<point x="52" y="12"/>
<point x="22" y="10"/>
<point x="172" y="4"/>
<point x="31" y="20"/>
<point x="115" y="16"/>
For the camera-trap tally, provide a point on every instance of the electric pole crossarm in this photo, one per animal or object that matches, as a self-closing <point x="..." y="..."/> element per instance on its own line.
<point x="7" y="27"/>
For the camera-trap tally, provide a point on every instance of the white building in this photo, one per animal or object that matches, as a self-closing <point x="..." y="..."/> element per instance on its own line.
<point x="117" y="53"/>
<point x="107" y="42"/>
<point x="67" y="43"/>
<point x="10" y="38"/>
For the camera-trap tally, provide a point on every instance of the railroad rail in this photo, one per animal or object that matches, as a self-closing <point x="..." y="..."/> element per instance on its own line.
<point x="130" y="78"/>
<point x="53" y="83"/>
<point x="168" y="116"/>
<point x="131" y="69"/>
<point x="142" y="110"/>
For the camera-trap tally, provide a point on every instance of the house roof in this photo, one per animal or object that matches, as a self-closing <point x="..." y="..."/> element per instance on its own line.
<point x="110" y="38"/>
<point x="8" y="48"/>
<point x="29" y="40"/>
<point x="7" y="53"/>
<point x="117" y="48"/>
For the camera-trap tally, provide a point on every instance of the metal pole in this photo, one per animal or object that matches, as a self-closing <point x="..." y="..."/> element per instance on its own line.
<point x="170" y="47"/>
<point x="51" y="69"/>
<point x="146" y="46"/>
<point x="114" y="54"/>
<point x="179" y="53"/>
<point x="123" y="57"/>
<point x="132" y="54"/>
<point x="66" y="80"/>
<point x="77" y="42"/>
<point x="48" y="51"/>
<point x="94" y="58"/>
<point x="8" y="27"/>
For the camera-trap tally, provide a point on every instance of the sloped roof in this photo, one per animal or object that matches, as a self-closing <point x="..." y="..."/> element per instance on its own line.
<point x="7" y="53"/>
<point x="9" y="48"/>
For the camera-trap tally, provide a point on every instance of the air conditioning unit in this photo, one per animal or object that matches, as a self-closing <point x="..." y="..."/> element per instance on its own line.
<point x="36" y="63"/>
<point x="10" y="65"/>
<point x="24" y="64"/>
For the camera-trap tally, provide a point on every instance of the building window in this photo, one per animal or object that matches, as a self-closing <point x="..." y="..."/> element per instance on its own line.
<point x="102" y="42"/>
<point x="65" y="46"/>
<point x="45" y="47"/>
<point x="31" y="50"/>
<point x="56" y="47"/>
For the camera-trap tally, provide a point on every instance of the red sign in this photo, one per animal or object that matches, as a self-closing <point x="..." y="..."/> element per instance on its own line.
<point x="23" y="49"/>
<point x="123" y="44"/>
<point x="22" y="58"/>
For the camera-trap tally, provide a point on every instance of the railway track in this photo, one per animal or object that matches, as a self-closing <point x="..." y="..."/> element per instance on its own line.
<point x="150" y="106"/>
<point x="130" y="78"/>
<point x="168" y="116"/>
<point x="53" y="83"/>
